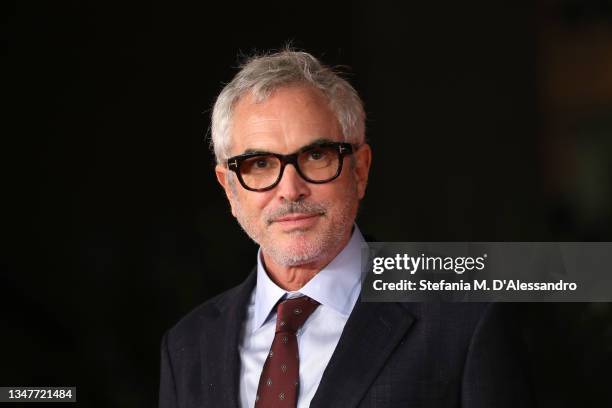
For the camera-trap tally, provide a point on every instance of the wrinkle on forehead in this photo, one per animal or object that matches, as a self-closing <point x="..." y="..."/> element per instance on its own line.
<point x="288" y="119"/>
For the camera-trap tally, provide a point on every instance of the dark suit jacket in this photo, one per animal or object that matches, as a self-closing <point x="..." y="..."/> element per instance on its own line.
<point x="389" y="355"/>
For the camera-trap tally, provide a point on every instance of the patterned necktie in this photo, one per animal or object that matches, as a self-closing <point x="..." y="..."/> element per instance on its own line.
<point x="280" y="377"/>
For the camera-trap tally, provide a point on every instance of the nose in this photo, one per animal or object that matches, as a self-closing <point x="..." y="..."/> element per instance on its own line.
<point x="292" y="187"/>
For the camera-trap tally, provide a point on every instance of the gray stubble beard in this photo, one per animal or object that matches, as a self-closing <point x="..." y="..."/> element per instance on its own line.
<point x="311" y="251"/>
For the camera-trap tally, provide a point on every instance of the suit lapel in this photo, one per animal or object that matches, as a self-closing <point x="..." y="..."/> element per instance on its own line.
<point x="219" y="346"/>
<point x="370" y="335"/>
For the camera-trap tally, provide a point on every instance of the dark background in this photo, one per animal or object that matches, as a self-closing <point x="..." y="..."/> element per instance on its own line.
<point x="489" y="121"/>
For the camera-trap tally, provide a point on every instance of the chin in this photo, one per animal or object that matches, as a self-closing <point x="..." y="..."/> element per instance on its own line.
<point x="303" y="251"/>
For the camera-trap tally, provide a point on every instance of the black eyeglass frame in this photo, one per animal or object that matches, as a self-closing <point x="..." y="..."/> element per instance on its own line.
<point x="342" y="148"/>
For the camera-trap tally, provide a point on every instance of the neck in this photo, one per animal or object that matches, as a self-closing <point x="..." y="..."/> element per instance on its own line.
<point x="293" y="278"/>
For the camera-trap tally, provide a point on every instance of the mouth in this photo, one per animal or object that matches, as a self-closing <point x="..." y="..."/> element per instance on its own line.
<point x="298" y="220"/>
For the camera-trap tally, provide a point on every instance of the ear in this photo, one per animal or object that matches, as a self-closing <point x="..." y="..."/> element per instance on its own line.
<point x="222" y="177"/>
<point x="363" y="160"/>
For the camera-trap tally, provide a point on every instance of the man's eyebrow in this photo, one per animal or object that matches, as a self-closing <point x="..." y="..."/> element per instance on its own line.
<point x="315" y="143"/>
<point x="255" y="151"/>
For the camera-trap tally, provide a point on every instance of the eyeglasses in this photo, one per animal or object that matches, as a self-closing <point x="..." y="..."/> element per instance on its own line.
<point x="317" y="163"/>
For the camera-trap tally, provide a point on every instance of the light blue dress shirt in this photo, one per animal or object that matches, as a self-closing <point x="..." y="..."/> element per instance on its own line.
<point x="336" y="287"/>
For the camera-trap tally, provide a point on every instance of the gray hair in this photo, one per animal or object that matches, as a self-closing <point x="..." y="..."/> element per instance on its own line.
<point x="263" y="74"/>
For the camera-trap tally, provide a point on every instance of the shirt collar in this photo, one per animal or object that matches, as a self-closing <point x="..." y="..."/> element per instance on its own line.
<point x="337" y="285"/>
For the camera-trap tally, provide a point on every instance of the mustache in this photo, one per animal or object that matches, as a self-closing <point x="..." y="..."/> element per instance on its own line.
<point x="296" y="207"/>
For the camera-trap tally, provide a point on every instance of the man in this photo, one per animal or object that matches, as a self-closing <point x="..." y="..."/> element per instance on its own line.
<point x="289" y="139"/>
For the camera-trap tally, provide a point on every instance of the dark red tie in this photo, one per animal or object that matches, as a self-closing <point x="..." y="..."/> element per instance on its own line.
<point x="280" y="377"/>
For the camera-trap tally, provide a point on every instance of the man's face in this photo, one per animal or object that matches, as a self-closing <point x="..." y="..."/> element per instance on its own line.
<point x="296" y="222"/>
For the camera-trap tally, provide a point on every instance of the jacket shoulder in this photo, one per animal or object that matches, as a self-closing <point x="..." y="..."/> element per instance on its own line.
<point x="186" y="330"/>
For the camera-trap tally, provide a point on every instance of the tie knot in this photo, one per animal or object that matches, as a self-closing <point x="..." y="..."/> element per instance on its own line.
<point x="292" y="313"/>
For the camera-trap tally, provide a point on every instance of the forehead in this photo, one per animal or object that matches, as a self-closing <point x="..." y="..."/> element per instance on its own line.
<point x="290" y="118"/>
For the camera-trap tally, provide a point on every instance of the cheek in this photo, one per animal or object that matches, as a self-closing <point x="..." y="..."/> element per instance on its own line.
<point x="253" y="203"/>
<point x="346" y="189"/>
<point x="337" y="198"/>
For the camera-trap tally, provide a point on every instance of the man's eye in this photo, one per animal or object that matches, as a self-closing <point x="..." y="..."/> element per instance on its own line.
<point x="261" y="163"/>
<point x="316" y="155"/>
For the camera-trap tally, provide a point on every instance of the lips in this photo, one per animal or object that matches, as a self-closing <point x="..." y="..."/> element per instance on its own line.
<point x="295" y="217"/>
<point x="297" y="221"/>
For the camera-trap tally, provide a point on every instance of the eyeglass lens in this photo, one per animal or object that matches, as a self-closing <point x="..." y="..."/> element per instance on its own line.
<point x="316" y="164"/>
